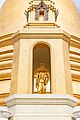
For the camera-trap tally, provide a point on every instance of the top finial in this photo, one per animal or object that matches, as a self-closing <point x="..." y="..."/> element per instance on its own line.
<point x="41" y="2"/>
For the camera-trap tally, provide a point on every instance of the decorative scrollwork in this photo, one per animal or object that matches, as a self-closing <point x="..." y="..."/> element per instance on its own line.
<point x="4" y="114"/>
<point x="27" y="15"/>
<point x="56" y="12"/>
<point x="41" y="7"/>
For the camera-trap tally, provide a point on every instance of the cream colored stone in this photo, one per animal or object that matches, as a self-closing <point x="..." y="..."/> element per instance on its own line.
<point x="20" y="74"/>
<point x="43" y="107"/>
<point x="23" y="56"/>
<point x="12" y="19"/>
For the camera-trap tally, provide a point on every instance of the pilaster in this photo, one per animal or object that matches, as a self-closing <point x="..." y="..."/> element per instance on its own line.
<point x="20" y="69"/>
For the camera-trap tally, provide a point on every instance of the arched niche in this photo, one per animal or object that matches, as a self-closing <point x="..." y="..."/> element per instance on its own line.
<point x="41" y="69"/>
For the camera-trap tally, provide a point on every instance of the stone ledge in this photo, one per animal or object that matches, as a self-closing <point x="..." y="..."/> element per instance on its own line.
<point x="41" y="34"/>
<point x="39" y="25"/>
<point x="40" y="99"/>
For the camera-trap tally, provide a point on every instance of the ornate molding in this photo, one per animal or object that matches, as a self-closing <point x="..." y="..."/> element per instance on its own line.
<point x="40" y="99"/>
<point x="42" y="8"/>
<point x="34" y="3"/>
<point x="76" y="112"/>
<point x="4" y="112"/>
<point x="43" y="34"/>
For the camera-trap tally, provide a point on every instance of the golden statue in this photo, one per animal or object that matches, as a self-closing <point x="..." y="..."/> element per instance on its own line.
<point x="42" y="79"/>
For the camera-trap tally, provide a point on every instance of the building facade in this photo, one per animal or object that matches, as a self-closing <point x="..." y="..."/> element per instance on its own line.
<point x="39" y="59"/>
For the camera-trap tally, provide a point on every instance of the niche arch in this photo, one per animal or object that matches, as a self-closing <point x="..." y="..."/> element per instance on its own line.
<point x="41" y="68"/>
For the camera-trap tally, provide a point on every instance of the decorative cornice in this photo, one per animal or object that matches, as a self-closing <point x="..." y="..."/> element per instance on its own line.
<point x="55" y="33"/>
<point x="39" y="99"/>
<point x="41" y="34"/>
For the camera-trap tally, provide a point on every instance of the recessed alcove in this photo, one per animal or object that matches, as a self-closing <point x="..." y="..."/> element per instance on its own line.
<point x="41" y="67"/>
<point x="41" y="17"/>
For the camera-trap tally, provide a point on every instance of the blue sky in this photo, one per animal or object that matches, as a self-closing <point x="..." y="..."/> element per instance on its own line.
<point x="1" y="2"/>
<point x="77" y="3"/>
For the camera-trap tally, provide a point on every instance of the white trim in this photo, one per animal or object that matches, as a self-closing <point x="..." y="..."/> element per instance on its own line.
<point x="41" y="99"/>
